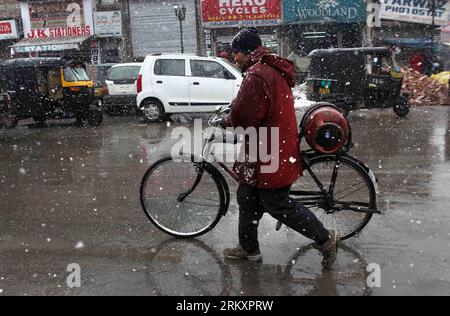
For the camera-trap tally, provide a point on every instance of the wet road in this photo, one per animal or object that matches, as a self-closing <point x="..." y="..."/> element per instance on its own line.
<point x="70" y="195"/>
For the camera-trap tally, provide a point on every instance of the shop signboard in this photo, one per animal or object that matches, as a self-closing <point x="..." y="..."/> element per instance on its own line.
<point x="96" y="53"/>
<point x="320" y="11"/>
<point x="57" y="19"/>
<point x="8" y="30"/>
<point x="415" y="11"/>
<point x="46" y="48"/>
<point x="108" y="24"/>
<point x="240" y="13"/>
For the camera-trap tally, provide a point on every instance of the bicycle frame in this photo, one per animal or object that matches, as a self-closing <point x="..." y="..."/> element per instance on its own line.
<point x="324" y="198"/>
<point x="319" y="195"/>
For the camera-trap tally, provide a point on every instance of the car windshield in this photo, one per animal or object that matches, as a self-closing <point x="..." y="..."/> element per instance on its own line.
<point x="74" y="74"/>
<point x="124" y="73"/>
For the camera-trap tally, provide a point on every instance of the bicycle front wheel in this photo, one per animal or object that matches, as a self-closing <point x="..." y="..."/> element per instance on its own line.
<point x="354" y="194"/>
<point x="182" y="199"/>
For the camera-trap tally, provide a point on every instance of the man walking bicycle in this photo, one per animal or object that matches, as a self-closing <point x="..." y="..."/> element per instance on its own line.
<point x="265" y="100"/>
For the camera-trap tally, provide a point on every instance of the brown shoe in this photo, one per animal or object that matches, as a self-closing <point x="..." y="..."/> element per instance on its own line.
<point x="329" y="251"/>
<point x="239" y="253"/>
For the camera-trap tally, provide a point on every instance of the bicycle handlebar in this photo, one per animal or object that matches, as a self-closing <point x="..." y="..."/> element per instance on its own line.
<point x="218" y="115"/>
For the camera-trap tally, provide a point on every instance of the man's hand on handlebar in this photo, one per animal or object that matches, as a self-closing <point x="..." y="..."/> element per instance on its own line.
<point x="218" y="122"/>
<point x="219" y="119"/>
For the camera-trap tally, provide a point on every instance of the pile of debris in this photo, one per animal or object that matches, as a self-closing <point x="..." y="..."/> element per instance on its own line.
<point x="424" y="90"/>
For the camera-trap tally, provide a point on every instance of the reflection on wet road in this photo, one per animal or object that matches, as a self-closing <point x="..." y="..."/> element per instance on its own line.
<point x="70" y="195"/>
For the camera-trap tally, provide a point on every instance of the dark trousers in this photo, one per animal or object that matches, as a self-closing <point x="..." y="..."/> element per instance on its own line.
<point x="253" y="203"/>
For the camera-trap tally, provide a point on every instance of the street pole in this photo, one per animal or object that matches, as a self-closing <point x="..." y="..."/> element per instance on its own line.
<point x="433" y="24"/>
<point x="201" y="37"/>
<point x="127" y="36"/>
<point x="180" y="13"/>
<point x="181" y="35"/>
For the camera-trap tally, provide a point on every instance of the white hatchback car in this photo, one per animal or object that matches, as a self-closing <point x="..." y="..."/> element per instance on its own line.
<point x="169" y="84"/>
<point x="121" y="91"/>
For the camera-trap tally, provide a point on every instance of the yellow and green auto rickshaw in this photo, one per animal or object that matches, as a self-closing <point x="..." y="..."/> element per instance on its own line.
<point x="48" y="88"/>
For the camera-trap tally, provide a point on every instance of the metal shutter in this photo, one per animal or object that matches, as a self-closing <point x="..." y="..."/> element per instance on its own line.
<point x="156" y="29"/>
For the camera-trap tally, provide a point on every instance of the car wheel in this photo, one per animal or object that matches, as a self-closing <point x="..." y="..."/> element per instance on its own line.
<point x="40" y="121"/>
<point x="153" y="111"/>
<point x="10" y="121"/>
<point x="402" y="107"/>
<point x="95" y="118"/>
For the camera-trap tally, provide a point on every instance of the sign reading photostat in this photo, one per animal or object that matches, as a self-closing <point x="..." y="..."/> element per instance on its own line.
<point x="415" y="11"/>
<point x="313" y="11"/>
<point x="8" y="30"/>
<point x="239" y="13"/>
<point x="108" y="24"/>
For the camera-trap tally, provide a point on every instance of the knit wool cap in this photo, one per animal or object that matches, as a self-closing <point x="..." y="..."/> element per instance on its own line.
<point x="246" y="41"/>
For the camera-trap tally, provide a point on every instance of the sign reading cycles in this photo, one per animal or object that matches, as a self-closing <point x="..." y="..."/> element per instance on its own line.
<point x="232" y="13"/>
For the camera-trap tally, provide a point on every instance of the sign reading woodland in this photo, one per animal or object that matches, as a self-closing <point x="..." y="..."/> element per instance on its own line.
<point x="346" y="11"/>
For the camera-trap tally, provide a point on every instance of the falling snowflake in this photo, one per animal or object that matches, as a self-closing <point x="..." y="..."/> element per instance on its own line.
<point x="79" y="245"/>
<point x="327" y="4"/>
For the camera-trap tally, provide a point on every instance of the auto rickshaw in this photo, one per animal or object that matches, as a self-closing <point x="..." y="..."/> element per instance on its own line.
<point x="48" y="88"/>
<point x="357" y="78"/>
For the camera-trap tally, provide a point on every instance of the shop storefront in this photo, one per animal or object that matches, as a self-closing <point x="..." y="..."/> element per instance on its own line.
<point x="108" y="46"/>
<point x="223" y="19"/>
<point x="408" y="27"/>
<point x="315" y="24"/>
<point x="411" y="19"/>
<point x="56" y="28"/>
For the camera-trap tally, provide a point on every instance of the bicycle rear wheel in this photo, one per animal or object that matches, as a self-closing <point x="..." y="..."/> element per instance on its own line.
<point x="170" y="205"/>
<point x="354" y="194"/>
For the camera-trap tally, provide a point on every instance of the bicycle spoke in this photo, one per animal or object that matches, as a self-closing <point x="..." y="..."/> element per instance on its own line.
<point x="199" y="204"/>
<point x="350" y="187"/>
<point x="343" y="197"/>
<point x="345" y="225"/>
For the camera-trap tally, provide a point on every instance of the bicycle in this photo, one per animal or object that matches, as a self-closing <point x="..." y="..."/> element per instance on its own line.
<point x="188" y="198"/>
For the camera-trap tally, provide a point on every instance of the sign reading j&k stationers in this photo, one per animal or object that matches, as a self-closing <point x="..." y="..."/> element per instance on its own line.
<point x="56" y="19"/>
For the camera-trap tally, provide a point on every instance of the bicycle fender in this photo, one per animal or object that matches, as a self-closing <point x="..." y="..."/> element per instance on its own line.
<point x="367" y="169"/>
<point x="223" y="184"/>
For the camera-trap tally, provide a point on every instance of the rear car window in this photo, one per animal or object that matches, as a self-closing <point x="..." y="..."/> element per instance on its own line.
<point x="124" y="73"/>
<point x="170" y="67"/>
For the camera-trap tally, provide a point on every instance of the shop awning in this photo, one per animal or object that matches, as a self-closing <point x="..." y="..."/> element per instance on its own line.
<point x="29" y="45"/>
<point x="414" y="43"/>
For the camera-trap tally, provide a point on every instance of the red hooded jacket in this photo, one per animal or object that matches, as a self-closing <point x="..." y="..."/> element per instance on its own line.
<point x="265" y="100"/>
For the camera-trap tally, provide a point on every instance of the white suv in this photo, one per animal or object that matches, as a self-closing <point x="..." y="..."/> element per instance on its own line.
<point x="182" y="83"/>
